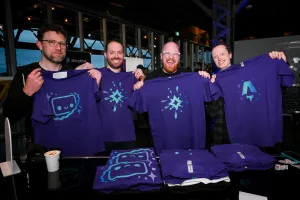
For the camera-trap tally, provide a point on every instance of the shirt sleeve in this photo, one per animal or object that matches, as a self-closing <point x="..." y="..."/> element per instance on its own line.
<point x="138" y="101"/>
<point x="17" y="104"/>
<point x="42" y="111"/>
<point x="210" y="90"/>
<point x="287" y="77"/>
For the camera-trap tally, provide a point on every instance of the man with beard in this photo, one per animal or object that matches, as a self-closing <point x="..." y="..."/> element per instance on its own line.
<point x="170" y="57"/>
<point x="28" y="80"/>
<point x="175" y="102"/>
<point x="116" y="89"/>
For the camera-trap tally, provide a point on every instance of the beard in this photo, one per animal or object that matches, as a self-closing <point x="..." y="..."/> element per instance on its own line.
<point x="114" y="66"/>
<point x="169" y="69"/>
<point x="53" y="59"/>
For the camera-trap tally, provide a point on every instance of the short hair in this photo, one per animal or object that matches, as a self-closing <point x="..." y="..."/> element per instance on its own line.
<point x="51" y="27"/>
<point x="225" y="45"/>
<point x="110" y="41"/>
<point x="140" y="66"/>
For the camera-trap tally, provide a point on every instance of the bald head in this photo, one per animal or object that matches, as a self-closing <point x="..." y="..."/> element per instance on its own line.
<point x="170" y="57"/>
<point x="171" y="46"/>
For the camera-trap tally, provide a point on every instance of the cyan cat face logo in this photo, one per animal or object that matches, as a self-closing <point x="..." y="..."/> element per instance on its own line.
<point x="132" y="156"/>
<point x="175" y="102"/>
<point x="116" y="95"/>
<point x="249" y="91"/>
<point x="137" y="163"/>
<point x="64" y="106"/>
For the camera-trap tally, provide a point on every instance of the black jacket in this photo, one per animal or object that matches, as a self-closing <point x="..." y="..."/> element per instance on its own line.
<point x="161" y="73"/>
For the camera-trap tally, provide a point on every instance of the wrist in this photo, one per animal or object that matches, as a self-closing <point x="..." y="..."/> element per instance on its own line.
<point x="28" y="93"/>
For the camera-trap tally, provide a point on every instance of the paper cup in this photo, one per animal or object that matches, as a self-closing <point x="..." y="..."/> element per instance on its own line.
<point x="53" y="180"/>
<point x="52" y="160"/>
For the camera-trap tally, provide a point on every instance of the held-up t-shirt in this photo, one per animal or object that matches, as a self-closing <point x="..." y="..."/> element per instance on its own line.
<point x="65" y="115"/>
<point x="116" y="116"/>
<point x="253" y="100"/>
<point x="176" y="109"/>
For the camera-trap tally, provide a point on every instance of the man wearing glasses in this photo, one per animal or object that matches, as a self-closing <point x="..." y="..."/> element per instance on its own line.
<point x="170" y="57"/>
<point x="28" y="79"/>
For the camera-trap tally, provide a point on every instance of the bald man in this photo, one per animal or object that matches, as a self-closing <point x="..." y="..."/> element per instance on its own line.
<point x="170" y="57"/>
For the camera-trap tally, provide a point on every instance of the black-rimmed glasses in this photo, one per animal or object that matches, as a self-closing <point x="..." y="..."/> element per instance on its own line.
<point x="54" y="43"/>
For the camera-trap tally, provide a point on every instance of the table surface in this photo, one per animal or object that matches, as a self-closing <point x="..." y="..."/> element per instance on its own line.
<point x="76" y="177"/>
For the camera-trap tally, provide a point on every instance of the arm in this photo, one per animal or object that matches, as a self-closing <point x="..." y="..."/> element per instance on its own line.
<point x="17" y="103"/>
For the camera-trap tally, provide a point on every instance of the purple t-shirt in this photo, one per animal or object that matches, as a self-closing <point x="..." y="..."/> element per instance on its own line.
<point x="240" y="157"/>
<point x="180" y="165"/>
<point x="64" y="114"/>
<point x="176" y="109"/>
<point x="253" y="99"/>
<point x="116" y="116"/>
<point x="134" y="169"/>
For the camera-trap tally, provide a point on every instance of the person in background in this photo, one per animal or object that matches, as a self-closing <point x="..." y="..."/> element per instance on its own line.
<point x="52" y="42"/>
<point x="222" y="55"/>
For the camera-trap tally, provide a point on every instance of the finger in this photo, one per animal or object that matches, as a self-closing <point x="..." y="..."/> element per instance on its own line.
<point x="38" y="79"/>
<point x="40" y="82"/>
<point x="38" y="74"/>
<point x="284" y="57"/>
<point x="36" y="70"/>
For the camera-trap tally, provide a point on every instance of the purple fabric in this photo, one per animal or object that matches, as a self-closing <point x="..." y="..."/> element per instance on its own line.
<point x="240" y="157"/>
<point x="176" y="109"/>
<point x="253" y="100"/>
<point x="135" y="169"/>
<point x="205" y="165"/>
<point x="116" y="117"/>
<point x="64" y="114"/>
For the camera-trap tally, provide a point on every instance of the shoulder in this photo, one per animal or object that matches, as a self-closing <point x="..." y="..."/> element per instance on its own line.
<point x="26" y="69"/>
<point x="153" y="74"/>
<point x="67" y="67"/>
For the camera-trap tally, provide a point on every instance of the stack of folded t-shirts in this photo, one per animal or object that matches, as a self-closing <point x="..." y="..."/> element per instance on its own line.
<point x="240" y="157"/>
<point x="129" y="170"/>
<point x="189" y="167"/>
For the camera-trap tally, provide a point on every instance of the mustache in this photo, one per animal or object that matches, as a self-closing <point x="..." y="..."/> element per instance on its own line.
<point x="170" y="60"/>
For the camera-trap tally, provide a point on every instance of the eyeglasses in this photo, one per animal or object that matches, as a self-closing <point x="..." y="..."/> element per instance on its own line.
<point x="54" y="43"/>
<point x="168" y="54"/>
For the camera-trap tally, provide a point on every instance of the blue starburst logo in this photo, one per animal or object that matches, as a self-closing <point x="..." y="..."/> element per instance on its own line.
<point x="175" y="102"/>
<point x="116" y="95"/>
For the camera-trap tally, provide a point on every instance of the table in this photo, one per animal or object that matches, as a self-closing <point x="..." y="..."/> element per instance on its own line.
<point x="76" y="175"/>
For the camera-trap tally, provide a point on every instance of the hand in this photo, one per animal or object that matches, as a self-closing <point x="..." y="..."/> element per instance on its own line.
<point x="277" y="54"/>
<point x="33" y="82"/>
<point x="213" y="78"/>
<point x="96" y="74"/>
<point x="86" y="65"/>
<point x="139" y="75"/>
<point x="204" y="74"/>
<point x="138" y="85"/>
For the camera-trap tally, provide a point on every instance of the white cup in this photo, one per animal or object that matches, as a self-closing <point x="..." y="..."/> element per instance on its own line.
<point x="52" y="160"/>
